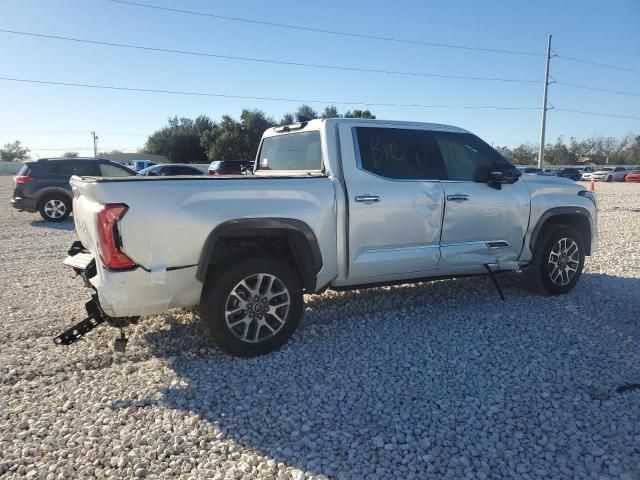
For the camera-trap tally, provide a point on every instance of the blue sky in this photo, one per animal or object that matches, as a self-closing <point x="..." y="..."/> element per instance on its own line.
<point x="49" y="119"/>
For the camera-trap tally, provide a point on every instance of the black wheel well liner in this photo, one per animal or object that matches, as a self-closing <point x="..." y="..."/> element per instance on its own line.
<point x="577" y="217"/>
<point x="226" y="241"/>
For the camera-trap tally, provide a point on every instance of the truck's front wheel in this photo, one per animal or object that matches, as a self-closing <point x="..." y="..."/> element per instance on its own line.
<point x="558" y="260"/>
<point x="253" y="306"/>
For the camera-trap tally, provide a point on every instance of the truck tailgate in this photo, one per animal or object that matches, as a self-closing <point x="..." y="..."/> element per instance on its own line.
<point x="85" y="210"/>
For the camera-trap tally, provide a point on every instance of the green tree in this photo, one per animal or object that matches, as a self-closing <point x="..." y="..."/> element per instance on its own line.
<point x="559" y="153"/>
<point x="330" y="112"/>
<point x="525" y="154"/>
<point x="70" y="154"/>
<point x="13" y="152"/>
<point x="254" y="123"/>
<point x="359" y="114"/>
<point x="227" y="141"/>
<point x="287" y="119"/>
<point x="305" y="110"/>
<point x="180" y="140"/>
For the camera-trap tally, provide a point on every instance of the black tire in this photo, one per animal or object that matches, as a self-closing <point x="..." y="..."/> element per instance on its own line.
<point x="218" y="303"/>
<point x="609" y="179"/>
<point x="55" y="207"/>
<point x="539" y="274"/>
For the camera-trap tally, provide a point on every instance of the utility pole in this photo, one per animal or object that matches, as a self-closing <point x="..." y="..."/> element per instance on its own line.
<point x="95" y="144"/>
<point x="544" y="105"/>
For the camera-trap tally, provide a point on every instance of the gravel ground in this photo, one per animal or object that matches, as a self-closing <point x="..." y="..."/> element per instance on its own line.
<point x="438" y="380"/>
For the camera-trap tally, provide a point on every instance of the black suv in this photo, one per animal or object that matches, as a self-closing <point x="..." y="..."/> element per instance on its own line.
<point x="572" y="173"/>
<point x="43" y="185"/>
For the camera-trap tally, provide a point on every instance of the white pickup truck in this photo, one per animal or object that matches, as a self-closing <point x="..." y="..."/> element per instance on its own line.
<point x="338" y="203"/>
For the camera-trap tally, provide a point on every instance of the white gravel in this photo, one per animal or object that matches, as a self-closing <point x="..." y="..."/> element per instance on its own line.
<point x="437" y="380"/>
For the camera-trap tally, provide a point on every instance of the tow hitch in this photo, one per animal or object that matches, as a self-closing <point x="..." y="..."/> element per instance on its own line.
<point x="83" y="263"/>
<point x="73" y="334"/>
<point x="96" y="317"/>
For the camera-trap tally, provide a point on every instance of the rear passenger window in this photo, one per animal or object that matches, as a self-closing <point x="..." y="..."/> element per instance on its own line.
<point x="399" y="153"/>
<point x="84" y="169"/>
<point x="109" y="170"/>
<point x="59" y="168"/>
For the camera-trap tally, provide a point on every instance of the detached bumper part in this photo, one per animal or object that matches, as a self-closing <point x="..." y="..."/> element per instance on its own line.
<point x="74" y="333"/>
<point x="84" y="264"/>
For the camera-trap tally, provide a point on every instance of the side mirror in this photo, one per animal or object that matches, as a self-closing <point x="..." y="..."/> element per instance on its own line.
<point x="497" y="177"/>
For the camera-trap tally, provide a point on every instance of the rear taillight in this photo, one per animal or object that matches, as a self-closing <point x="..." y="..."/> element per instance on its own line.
<point x="20" y="179"/>
<point x="109" y="238"/>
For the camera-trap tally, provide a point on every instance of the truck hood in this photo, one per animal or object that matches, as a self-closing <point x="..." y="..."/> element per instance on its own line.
<point x="550" y="181"/>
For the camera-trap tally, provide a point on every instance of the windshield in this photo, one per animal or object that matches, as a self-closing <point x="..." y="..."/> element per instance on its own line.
<point x="293" y="151"/>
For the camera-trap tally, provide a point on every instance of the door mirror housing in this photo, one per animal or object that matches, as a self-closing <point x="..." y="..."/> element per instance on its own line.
<point x="502" y="174"/>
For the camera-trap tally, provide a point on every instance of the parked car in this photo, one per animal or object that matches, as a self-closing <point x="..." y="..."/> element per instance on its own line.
<point x="171" y="169"/>
<point x="569" y="172"/>
<point x="531" y="170"/>
<point x="336" y="203"/>
<point x="609" y="174"/>
<point x="139" y="165"/>
<point x="43" y="185"/>
<point x="228" y="167"/>
<point x="633" y="175"/>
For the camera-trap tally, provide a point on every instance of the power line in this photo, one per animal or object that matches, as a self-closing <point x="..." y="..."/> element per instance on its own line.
<point x="263" y="60"/>
<point x="71" y="149"/>
<point x="64" y="132"/>
<point x="589" y="62"/>
<point x="300" y="100"/>
<point x="330" y="32"/>
<point x="615" y="115"/>
<point x="597" y="89"/>
<point x="252" y="97"/>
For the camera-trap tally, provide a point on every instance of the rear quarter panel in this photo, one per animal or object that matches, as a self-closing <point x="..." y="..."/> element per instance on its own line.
<point x="169" y="220"/>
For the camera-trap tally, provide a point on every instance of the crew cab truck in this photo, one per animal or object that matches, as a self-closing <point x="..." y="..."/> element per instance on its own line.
<point x="336" y="203"/>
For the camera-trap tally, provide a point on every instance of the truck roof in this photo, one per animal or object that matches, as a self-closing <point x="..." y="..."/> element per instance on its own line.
<point x="317" y="124"/>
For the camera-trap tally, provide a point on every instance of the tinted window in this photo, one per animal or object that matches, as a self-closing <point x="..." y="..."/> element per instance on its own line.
<point x="466" y="157"/>
<point x="186" y="171"/>
<point x="59" y="168"/>
<point x="86" y="168"/>
<point x="399" y="153"/>
<point x="293" y="151"/>
<point x="110" y="170"/>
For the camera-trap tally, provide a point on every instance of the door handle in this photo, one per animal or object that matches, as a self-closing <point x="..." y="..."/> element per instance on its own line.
<point x="457" y="197"/>
<point x="367" y="198"/>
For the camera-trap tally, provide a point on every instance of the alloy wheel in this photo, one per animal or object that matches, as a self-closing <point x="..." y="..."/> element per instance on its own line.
<point x="257" y="307"/>
<point x="563" y="262"/>
<point x="55" y="208"/>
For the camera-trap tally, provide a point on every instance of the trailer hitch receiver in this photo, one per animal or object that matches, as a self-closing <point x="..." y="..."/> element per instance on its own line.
<point x="76" y="332"/>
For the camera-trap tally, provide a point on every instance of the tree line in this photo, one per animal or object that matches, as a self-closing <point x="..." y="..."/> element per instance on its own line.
<point x="202" y="140"/>
<point x="596" y="149"/>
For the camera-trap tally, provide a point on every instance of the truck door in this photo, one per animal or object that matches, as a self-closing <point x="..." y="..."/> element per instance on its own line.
<point x="395" y="202"/>
<point x="481" y="225"/>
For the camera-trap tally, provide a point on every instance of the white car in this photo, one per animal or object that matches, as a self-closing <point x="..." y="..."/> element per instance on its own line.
<point x="608" y="174"/>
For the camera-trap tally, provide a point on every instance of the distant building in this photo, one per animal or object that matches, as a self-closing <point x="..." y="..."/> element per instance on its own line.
<point x="129" y="158"/>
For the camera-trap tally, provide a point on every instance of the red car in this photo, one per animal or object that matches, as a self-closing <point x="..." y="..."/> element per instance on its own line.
<point x="633" y="176"/>
<point x="228" y="167"/>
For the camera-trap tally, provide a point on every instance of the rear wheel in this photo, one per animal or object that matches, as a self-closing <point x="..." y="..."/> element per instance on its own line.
<point x="55" y="207"/>
<point x="252" y="307"/>
<point x="557" y="261"/>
